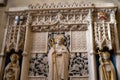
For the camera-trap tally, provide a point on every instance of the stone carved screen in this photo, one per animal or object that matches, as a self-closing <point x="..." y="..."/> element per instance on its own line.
<point x="73" y="26"/>
<point x="75" y="30"/>
<point x="78" y="63"/>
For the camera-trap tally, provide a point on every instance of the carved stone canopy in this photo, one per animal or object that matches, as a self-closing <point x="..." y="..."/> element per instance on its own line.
<point x="68" y="17"/>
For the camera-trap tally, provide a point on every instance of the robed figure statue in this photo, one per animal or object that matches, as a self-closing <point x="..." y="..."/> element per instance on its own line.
<point x="58" y="59"/>
<point x="12" y="70"/>
<point x="106" y="68"/>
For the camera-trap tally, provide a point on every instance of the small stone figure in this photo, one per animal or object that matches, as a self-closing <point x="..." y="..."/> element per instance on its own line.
<point x="106" y="68"/>
<point x="58" y="59"/>
<point x="12" y="70"/>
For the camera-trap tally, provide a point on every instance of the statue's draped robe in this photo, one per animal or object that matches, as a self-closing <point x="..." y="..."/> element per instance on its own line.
<point x="109" y="70"/>
<point x="62" y="62"/>
<point x="16" y="70"/>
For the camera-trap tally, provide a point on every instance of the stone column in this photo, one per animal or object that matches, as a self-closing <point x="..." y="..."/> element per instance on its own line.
<point x="26" y="53"/>
<point x="25" y="66"/>
<point x="91" y="56"/>
<point x="2" y="54"/>
<point x="118" y="65"/>
<point x="2" y="64"/>
<point x="117" y="50"/>
<point x="117" y="46"/>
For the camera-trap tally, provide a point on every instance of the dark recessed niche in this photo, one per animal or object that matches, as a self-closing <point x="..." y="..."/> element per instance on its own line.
<point x="3" y="3"/>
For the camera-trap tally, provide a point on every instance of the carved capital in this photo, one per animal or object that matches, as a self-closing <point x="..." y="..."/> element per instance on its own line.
<point x="92" y="52"/>
<point x="25" y="53"/>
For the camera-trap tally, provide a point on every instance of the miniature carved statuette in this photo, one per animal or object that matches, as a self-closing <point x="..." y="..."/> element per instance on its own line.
<point x="106" y="68"/>
<point x="12" y="70"/>
<point x="58" y="59"/>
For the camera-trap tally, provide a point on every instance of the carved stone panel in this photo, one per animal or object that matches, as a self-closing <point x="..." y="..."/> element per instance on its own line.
<point x="39" y="42"/>
<point x="79" y="65"/>
<point x="78" y="41"/>
<point x="63" y="27"/>
<point x="38" y="65"/>
<point x="15" y="37"/>
<point x="37" y="78"/>
<point x="74" y="40"/>
<point x="104" y="34"/>
<point x="79" y="78"/>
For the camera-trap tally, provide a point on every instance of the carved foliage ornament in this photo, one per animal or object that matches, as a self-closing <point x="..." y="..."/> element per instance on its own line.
<point x="16" y="29"/>
<point x="60" y="5"/>
<point x="78" y="65"/>
<point x="61" y="18"/>
<point x="15" y="37"/>
<point x="60" y="28"/>
<point x="68" y="21"/>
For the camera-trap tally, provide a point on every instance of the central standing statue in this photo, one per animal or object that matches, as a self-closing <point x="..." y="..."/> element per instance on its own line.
<point x="58" y="59"/>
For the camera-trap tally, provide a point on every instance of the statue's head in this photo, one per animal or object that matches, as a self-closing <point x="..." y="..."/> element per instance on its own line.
<point x="106" y="55"/>
<point x="59" y="39"/>
<point x="14" y="57"/>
